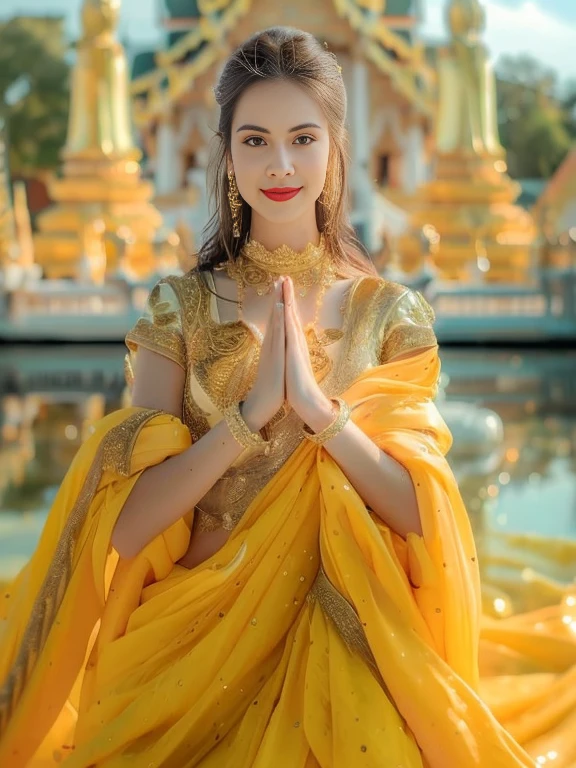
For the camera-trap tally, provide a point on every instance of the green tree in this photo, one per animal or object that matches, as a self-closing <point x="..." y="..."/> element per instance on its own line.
<point x="536" y="124"/>
<point x="37" y="123"/>
<point x="569" y="107"/>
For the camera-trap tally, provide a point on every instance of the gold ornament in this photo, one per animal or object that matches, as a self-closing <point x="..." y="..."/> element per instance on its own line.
<point x="332" y="429"/>
<point x="235" y="205"/>
<point x="257" y="267"/>
<point x="241" y="432"/>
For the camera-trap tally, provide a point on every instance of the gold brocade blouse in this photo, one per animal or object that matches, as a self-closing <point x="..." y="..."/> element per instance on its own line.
<point x="380" y="320"/>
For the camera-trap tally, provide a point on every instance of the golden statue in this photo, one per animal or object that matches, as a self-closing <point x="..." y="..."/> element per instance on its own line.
<point x="484" y="236"/>
<point x="7" y="232"/>
<point x="467" y="109"/>
<point x="99" y="108"/>
<point x="101" y="174"/>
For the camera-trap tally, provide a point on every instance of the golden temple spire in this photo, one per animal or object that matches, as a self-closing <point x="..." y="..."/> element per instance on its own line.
<point x="466" y="18"/>
<point x="101" y="199"/>
<point x="7" y="229"/>
<point x="99" y="107"/>
<point x="470" y="202"/>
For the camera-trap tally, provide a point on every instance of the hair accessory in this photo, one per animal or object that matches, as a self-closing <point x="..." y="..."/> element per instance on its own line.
<point x="332" y="429"/>
<point x="235" y="205"/>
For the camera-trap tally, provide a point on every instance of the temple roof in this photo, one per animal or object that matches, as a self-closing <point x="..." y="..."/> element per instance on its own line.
<point x="399" y="8"/>
<point x="181" y="9"/>
<point x="143" y="63"/>
<point x="187" y="9"/>
<point x="199" y="46"/>
<point x="561" y="188"/>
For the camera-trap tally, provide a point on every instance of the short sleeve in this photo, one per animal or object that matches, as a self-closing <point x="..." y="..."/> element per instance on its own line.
<point x="408" y="327"/>
<point x="160" y="328"/>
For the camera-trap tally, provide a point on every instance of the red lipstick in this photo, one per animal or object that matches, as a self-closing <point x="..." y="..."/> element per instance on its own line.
<point x="280" y="194"/>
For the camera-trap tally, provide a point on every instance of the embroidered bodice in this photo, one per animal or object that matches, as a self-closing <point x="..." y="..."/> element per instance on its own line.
<point x="380" y="320"/>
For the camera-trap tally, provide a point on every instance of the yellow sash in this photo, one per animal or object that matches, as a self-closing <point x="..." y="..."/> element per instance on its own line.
<point x="315" y="637"/>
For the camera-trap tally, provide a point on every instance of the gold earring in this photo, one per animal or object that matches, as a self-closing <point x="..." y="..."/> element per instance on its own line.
<point x="235" y="205"/>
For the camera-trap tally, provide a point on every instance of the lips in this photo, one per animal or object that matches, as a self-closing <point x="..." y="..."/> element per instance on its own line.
<point x="281" y="194"/>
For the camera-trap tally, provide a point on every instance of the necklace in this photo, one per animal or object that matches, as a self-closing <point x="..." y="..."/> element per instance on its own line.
<point x="257" y="267"/>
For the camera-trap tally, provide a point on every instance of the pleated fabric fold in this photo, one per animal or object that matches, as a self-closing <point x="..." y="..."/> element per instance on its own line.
<point x="315" y="638"/>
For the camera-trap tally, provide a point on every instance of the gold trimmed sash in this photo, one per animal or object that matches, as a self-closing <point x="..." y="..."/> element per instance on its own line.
<point x="114" y="454"/>
<point x="345" y="619"/>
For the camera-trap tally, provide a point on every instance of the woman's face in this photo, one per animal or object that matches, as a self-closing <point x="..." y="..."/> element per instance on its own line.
<point x="279" y="140"/>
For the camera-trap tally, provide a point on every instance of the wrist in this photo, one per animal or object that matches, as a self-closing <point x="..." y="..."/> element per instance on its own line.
<point x="319" y="415"/>
<point x="253" y="420"/>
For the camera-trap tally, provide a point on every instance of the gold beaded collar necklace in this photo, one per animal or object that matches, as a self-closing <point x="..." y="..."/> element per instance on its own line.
<point x="258" y="267"/>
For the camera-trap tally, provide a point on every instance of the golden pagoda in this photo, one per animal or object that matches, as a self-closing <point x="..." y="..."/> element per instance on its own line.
<point x="7" y="228"/>
<point x="483" y="235"/>
<point x="103" y="219"/>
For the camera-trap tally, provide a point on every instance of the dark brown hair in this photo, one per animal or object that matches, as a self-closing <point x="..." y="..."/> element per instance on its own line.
<point x="282" y="53"/>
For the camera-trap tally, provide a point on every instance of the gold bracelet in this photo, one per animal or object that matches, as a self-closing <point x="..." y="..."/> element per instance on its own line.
<point x="332" y="429"/>
<point x="240" y="430"/>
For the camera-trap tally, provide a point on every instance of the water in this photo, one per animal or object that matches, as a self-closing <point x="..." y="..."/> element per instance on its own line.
<point x="525" y="483"/>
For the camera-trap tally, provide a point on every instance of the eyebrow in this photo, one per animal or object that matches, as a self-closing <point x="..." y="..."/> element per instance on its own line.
<point x="248" y="127"/>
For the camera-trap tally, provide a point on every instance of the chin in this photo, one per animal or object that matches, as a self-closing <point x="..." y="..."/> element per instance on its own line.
<point x="281" y="213"/>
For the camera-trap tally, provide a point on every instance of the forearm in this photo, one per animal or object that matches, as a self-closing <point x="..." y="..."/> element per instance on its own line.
<point x="166" y="492"/>
<point x="383" y="483"/>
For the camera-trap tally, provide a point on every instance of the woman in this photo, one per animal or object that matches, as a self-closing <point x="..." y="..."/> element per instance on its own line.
<point x="265" y="560"/>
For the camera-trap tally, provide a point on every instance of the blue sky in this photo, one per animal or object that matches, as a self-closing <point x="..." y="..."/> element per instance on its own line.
<point x="545" y="28"/>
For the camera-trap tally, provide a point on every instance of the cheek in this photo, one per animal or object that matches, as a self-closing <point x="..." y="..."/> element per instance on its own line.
<point x="317" y="164"/>
<point x="246" y="170"/>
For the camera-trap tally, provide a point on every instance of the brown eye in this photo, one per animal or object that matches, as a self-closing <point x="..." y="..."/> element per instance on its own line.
<point x="309" y="140"/>
<point x="255" y="138"/>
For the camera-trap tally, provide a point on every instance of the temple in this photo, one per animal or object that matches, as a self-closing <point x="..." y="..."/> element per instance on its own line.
<point x="390" y="97"/>
<point x="469" y="201"/>
<point x="431" y="197"/>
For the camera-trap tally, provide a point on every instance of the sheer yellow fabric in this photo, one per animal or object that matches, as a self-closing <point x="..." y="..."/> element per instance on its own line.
<point x="315" y="638"/>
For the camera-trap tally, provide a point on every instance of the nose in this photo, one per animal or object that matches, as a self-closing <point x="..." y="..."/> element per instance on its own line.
<point x="280" y="164"/>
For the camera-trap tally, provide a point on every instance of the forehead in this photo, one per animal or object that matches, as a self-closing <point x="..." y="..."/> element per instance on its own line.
<point x="277" y="105"/>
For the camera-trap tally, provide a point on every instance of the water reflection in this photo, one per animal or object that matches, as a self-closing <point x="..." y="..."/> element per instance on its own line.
<point x="525" y="481"/>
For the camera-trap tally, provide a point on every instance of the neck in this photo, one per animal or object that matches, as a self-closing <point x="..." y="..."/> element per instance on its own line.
<point x="295" y="234"/>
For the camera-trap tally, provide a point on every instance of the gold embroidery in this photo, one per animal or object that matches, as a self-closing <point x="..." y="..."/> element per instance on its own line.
<point x="404" y="339"/>
<point x="258" y="267"/>
<point x="408" y="326"/>
<point x="345" y="619"/>
<point x="160" y="330"/>
<point x="368" y="302"/>
<point x="187" y="289"/>
<point x="206" y="522"/>
<point x="223" y="360"/>
<point x="119" y="442"/>
<point x="241" y="483"/>
<point x="160" y="340"/>
<point x="128" y="371"/>
<point x="113" y="453"/>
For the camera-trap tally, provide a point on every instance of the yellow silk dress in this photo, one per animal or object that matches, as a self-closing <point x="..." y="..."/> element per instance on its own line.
<point x="315" y="637"/>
